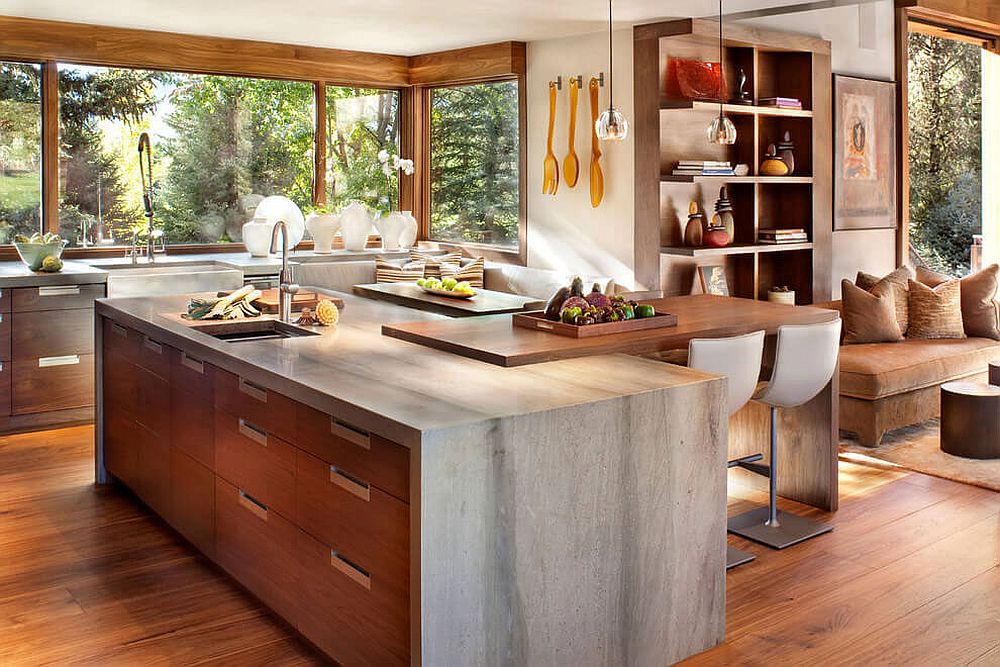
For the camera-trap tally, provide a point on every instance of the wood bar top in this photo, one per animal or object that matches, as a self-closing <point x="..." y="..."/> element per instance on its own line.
<point x="495" y="340"/>
<point x="486" y="302"/>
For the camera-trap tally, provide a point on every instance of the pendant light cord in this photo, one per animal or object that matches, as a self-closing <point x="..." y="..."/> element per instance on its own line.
<point x="722" y="77"/>
<point x="611" y="57"/>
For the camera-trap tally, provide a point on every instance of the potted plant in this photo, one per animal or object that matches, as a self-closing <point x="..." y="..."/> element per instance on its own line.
<point x="397" y="228"/>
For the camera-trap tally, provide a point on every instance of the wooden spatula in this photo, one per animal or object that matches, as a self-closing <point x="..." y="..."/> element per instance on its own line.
<point x="571" y="163"/>
<point x="596" y="175"/>
<point x="550" y="183"/>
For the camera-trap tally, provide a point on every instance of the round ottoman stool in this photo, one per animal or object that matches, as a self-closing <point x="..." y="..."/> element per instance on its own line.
<point x="995" y="373"/>
<point x="970" y="420"/>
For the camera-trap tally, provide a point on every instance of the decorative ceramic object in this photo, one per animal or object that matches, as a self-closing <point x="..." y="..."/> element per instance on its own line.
<point x="781" y="295"/>
<point x="355" y="226"/>
<point x="724" y="214"/>
<point x="276" y="208"/>
<point x="408" y="238"/>
<point x="694" y="230"/>
<point x="716" y="237"/>
<point x="743" y="95"/>
<point x="390" y="227"/>
<point x="257" y="236"/>
<point x="772" y="164"/>
<point x="786" y="152"/>
<point x="323" y="227"/>
<point x="741" y="169"/>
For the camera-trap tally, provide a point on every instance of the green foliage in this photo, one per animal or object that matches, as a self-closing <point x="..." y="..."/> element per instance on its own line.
<point x="20" y="149"/>
<point x="945" y="117"/>
<point x="360" y="123"/>
<point x="474" y="163"/>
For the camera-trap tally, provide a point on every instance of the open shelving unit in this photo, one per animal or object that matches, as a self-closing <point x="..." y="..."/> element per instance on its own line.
<point x="669" y="130"/>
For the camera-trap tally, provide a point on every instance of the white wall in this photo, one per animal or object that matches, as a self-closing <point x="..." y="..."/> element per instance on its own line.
<point x="991" y="161"/>
<point x="564" y="231"/>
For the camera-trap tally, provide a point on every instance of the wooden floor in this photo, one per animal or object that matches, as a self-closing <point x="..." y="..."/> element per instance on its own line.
<point x="911" y="575"/>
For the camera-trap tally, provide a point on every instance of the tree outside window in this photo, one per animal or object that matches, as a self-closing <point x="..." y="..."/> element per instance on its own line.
<point x="20" y="149"/>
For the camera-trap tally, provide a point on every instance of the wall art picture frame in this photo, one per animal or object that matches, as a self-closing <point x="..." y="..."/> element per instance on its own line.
<point x="864" y="154"/>
<point x="713" y="279"/>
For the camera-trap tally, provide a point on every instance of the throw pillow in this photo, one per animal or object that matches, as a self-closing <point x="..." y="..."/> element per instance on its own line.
<point x="432" y="263"/>
<point x="980" y="314"/>
<point x="898" y="281"/>
<point x="869" y="317"/>
<point x="936" y="312"/>
<point x="471" y="272"/>
<point x="387" y="271"/>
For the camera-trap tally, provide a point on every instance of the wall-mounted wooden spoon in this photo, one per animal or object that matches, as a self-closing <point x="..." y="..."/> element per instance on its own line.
<point x="571" y="164"/>
<point x="596" y="175"/>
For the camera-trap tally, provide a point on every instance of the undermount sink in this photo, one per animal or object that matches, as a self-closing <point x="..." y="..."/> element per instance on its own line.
<point x="166" y="279"/>
<point x="242" y="331"/>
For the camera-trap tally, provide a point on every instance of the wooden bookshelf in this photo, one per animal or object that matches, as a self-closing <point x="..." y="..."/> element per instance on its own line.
<point x="669" y="130"/>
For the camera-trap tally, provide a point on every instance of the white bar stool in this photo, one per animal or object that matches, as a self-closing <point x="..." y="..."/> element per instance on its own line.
<point x="738" y="359"/>
<point x="805" y="361"/>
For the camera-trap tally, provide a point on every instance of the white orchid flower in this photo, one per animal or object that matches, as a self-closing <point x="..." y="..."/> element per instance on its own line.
<point x="383" y="156"/>
<point x="406" y="166"/>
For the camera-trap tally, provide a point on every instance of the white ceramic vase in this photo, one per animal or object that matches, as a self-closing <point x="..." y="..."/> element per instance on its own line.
<point x="390" y="227"/>
<point x="355" y="226"/>
<point x="257" y="237"/>
<point x="408" y="238"/>
<point x="323" y="227"/>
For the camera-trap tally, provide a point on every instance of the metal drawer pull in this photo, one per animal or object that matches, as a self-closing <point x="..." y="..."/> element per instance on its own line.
<point x="351" y="434"/>
<point x="258" y="509"/>
<point x="350" y="570"/>
<point x="119" y="330"/>
<point x="151" y="344"/>
<point x="252" y="390"/>
<point x="192" y="363"/>
<point x="350" y="484"/>
<point x="68" y="360"/>
<point x="249" y="430"/>
<point x="59" y="290"/>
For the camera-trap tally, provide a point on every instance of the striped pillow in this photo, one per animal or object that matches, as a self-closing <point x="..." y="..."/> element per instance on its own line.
<point x="397" y="272"/>
<point x="936" y="312"/>
<point x="432" y="263"/>
<point x="471" y="272"/>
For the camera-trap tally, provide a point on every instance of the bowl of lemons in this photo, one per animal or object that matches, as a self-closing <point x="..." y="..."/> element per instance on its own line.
<point x="448" y="287"/>
<point x="41" y="252"/>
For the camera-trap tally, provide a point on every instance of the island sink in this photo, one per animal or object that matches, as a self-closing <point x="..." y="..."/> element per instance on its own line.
<point x="242" y="331"/>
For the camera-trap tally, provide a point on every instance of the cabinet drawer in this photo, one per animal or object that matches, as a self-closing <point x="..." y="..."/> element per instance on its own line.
<point x="192" y="501"/>
<point x="267" y="409"/>
<point x="258" y="548"/>
<point x="256" y="461"/>
<point x="120" y="343"/>
<point x="5" y="334"/>
<point x="151" y="481"/>
<point x="356" y="621"/>
<point x="46" y="334"/>
<point x="6" y="298"/>
<point x="366" y="525"/>
<point x="5" y="388"/>
<point x="191" y="408"/>
<point x="152" y="401"/>
<point x="121" y="456"/>
<point x="382" y="463"/>
<point x="53" y="383"/>
<point x="119" y="380"/>
<point x="153" y="355"/>
<point x="56" y="297"/>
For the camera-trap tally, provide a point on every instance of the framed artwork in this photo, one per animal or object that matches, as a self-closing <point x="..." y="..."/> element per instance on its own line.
<point x="864" y="153"/>
<point x="713" y="280"/>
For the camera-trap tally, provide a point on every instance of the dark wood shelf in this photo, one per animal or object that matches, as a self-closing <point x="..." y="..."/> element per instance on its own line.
<point x="734" y="109"/>
<point x="736" y="249"/>
<point x="670" y="178"/>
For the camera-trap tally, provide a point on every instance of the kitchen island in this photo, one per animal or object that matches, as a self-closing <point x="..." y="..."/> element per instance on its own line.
<point x="399" y="504"/>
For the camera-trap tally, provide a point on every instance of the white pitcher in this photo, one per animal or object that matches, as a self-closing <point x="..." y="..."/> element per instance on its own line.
<point x="408" y="238"/>
<point x="355" y="226"/>
<point x="323" y="227"/>
<point x="390" y="227"/>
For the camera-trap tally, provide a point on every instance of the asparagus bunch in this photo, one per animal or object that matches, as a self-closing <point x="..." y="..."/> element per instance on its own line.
<point x="233" y="306"/>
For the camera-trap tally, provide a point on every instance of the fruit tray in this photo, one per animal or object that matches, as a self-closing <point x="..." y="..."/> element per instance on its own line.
<point x="535" y="319"/>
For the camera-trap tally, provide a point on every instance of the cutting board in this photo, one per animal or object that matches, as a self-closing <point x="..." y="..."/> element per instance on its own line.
<point x="268" y="301"/>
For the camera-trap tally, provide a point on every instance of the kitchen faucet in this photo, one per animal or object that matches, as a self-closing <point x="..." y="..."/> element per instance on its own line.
<point x="286" y="288"/>
<point x="146" y="176"/>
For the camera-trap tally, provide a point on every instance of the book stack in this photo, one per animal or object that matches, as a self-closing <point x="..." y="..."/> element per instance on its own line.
<point x="781" y="102"/>
<point x="782" y="236"/>
<point x="703" y="168"/>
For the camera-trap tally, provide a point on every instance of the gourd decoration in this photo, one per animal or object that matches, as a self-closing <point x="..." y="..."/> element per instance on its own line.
<point x="694" y="230"/>
<point x="724" y="214"/>
<point x="773" y="165"/>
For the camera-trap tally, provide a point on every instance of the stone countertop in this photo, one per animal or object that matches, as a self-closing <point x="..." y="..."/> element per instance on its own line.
<point x="396" y="389"/>
<point x="16" y="274"/>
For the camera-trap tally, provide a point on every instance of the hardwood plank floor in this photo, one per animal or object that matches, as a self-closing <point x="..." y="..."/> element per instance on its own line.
<point x="911" y="575"/>
<point x="87" y="575"/>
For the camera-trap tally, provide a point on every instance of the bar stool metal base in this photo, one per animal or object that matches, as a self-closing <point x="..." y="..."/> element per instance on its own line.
<point x="792" y="529"/>
<point x="735" y="557"/>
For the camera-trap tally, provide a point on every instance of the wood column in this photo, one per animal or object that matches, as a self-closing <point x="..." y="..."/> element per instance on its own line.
<point x="50" y="147"/>
<point x="319" y="144"/>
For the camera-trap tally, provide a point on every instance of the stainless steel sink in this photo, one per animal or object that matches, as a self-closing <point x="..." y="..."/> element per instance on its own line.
<point x="241" y="331"/>
<point x="165" y="279"/>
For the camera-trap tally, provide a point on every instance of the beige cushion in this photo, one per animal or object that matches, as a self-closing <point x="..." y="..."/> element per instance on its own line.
<point x="936" y="312"/>
<point x="980" y="311"/>
<point x="877" y="370"/>
<point x="869" y="317"/>
<point x="432" y="263"/>
<point x="470" y="272"/>
<point x="899" y="281"/>
<point x="399" y="271"/>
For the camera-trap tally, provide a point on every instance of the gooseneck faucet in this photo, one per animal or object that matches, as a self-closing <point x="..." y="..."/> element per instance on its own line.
<point x="146" y="176"/>
<point x="286" y="288"/>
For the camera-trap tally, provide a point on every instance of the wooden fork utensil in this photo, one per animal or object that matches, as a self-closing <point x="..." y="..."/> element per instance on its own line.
<point x="550" y="183"/>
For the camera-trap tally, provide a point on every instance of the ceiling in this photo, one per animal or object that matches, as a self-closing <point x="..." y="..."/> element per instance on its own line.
<point x="404" y="27"/>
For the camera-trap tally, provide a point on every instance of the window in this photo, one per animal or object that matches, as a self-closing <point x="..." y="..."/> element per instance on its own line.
<point x="220" y="144"/>
<point x="475" y="164"/>
<point x="359" y="124"/>
<point x="20" y="149"/>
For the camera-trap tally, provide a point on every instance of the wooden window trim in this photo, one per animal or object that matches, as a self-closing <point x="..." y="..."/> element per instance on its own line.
<point x="935" y="19"/>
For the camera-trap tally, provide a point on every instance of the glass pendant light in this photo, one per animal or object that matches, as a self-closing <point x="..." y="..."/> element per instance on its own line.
<point x="721" y="130"/>
<point x="611" y="124"/>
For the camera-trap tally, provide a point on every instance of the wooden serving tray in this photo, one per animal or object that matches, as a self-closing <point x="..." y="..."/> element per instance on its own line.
<point x="536" y="320"/>
<point x="268" y="301"/>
